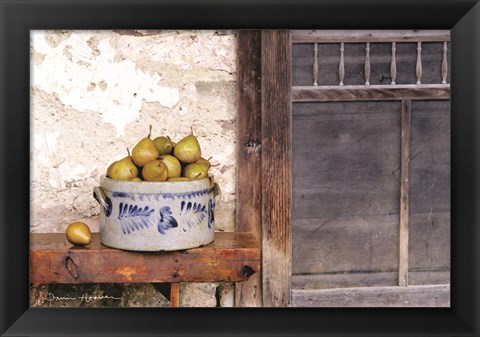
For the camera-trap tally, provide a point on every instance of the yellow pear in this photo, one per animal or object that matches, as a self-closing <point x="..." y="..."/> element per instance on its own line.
<point x="187" y="150"/>
<point x="163" y="144"/>
<point x="78" y="233"/>
<point x="155" y="170"/>
<point x="173" y="165"/>
<point x="123" y="169"/>
<point x="196" y="171"/>
<point x="144" y="151"/>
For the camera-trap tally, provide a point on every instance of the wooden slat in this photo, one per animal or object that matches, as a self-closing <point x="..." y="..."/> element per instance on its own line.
<point x="418" y="67"/>
<point x="175" y="295"/>
<point x="367" y="63"/>
<point x="341" y="65"/>
<point x="371" y="92"/>
<point x="404" y="194"/>
<point x="315" y="64"/>
<point x="276" y="167"/>
<point x="249" y="135"/>
<point x="393" y="64"/>
<point x="231" y="257"/>
<point x="367" y="279"/>
<point x="444" y="63"/>
<point x="412" y="296"/>
<point x="357" y="36"/>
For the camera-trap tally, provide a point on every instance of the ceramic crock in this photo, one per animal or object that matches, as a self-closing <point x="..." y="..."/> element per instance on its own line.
<point x="154" y="216"/>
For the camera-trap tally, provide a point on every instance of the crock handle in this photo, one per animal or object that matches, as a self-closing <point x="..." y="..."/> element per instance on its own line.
<point x="217" y="192"/>
<point x="100" y="196"/>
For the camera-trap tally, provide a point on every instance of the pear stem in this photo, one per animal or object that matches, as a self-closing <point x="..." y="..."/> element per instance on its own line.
<point x="150" y="132"/>
<point x="128" y="151"/>
<point x="191" y="130"/>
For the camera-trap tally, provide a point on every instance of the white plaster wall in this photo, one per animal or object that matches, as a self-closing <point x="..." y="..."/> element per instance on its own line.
<point x="95" y="93"/>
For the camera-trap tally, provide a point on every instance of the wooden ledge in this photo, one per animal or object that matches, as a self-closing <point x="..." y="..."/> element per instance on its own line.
<point x="232" y="256"/>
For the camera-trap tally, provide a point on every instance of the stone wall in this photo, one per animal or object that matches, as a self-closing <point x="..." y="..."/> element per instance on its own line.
<point x="95" y="93"/>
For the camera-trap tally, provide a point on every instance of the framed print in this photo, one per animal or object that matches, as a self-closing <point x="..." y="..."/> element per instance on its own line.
<point x="261" y="270"/>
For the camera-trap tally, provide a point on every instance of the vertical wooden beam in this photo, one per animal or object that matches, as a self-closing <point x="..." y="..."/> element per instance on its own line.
<point x="249" y="135"/>
<point x="404" y="197"/>
<point x="276" y="167"/>
<point x="175" y="295"/>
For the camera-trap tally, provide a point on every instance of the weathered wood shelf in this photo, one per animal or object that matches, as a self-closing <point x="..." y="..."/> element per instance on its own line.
<point x="232" y="257"/>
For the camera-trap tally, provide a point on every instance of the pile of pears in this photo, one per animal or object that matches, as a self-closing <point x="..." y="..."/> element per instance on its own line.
<point x="161" y="159"/>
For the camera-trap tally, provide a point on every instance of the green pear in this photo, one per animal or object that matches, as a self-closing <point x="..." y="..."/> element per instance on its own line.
<point x="155" y="170"/>
<point x="173" y="165"/>
<point x="144" y="151"/>
<point x="187" y="150"/>
<point x="196" y="171"/>
<point x="123" y="169"/>
<point x="137" y="179"/>
<point x="163" y="144"/>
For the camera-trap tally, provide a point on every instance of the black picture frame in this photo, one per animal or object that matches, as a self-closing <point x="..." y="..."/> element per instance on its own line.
<point x="18" y="17"/>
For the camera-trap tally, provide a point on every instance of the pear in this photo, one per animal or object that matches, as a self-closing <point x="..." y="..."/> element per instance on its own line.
<point x="137" y="179"/>
<point x="196" y="171"/>
<point x="144" y="151"/>
<point x="202" y="160"/>
<point x="123" y="169"/>
<point x="163" y="144"/>
<point x="187" y="150"/>
<point x="155" y="170"/>
<point x="78" y="233"/>
<point x="173" y="165"/>
<point x="177" y="179"/>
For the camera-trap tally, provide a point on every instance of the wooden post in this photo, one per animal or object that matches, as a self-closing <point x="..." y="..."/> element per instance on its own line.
<point x="404" y="197"/>
<point x="175" y="295"/>
<point x="249" y="135"/>
<point x="276" y="167"/>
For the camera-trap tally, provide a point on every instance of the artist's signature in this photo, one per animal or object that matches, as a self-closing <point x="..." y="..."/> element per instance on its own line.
<point x="85" y="297"/>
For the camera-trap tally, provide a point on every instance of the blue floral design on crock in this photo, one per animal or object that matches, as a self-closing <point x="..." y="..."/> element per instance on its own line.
<point x="173" y="196"/>
<point x="108" y="210"/>
<point x="123" y="195"/>
<point x="127" y="212"/>
<point x="211" y="216"/>
<point x="166" y="220"/>
<point x="193" y="212"/>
